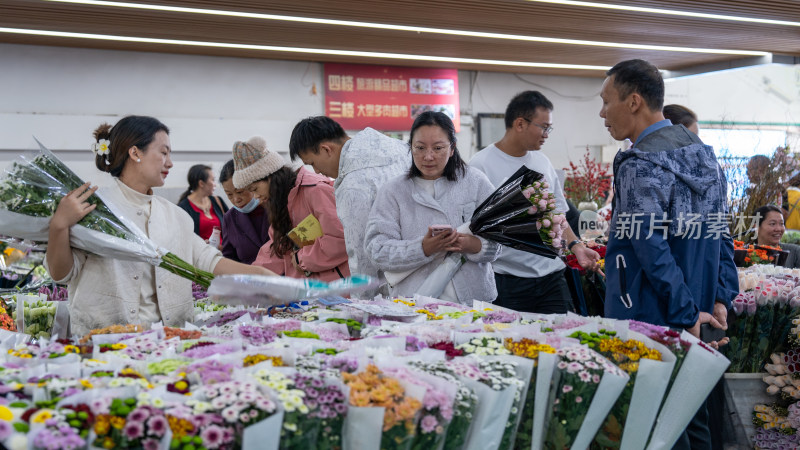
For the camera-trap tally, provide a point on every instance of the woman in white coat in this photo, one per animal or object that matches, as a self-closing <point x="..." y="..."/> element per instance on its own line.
<point x="105" y="291"/>
<point x="441" y="190"/>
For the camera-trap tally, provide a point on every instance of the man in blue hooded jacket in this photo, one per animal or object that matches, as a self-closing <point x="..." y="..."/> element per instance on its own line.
<point x="669" y="259"/>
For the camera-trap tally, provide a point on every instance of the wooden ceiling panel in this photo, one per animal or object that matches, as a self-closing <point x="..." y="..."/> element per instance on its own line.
<point x="541" y="19"/>
<point x="504" y="16"/>
<point x="774" y="10"/>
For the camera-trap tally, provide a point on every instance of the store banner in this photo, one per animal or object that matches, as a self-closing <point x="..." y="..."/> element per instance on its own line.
<point x="388" y="98"/>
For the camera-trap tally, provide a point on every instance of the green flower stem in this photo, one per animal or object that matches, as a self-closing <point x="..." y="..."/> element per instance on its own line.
<point x="183" y="269"/>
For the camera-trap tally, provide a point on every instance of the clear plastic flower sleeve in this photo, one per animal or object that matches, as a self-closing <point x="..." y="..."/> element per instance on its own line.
<point x="701" y="370"/>
<point x="260" y="290"/>
<point x="30" y="193"/>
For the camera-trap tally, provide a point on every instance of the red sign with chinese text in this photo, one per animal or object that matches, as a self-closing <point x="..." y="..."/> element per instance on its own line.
<point x="388" y="98"/>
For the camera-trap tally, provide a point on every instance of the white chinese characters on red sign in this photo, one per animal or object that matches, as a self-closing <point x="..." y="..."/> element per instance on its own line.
<point x="388" y="98"/>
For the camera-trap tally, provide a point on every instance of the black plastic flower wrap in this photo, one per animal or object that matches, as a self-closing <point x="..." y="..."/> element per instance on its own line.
<point x="504" y="217"/>
<point x="520" y="214"/>
<point x="29" y="196"/>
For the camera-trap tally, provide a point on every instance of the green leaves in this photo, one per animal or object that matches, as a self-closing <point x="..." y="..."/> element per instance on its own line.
<point x="35" y="188"/>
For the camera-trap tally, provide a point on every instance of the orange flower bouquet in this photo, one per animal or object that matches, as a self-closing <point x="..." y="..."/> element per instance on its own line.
<point x="6" y="322"/>
<point x="373" y="389"/>
<point x="746" y="255"/>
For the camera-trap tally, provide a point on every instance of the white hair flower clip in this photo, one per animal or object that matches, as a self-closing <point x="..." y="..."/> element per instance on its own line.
<point x="101" y="148"/>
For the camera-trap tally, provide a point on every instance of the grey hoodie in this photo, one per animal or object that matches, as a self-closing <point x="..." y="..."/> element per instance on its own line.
<point x="367" y="161"/>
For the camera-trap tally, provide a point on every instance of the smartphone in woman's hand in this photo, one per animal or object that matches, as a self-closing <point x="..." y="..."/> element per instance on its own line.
<point x="439" y="229"/>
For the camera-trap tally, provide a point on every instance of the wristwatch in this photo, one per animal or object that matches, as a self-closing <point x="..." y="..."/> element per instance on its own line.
<point x="573" y="243"/>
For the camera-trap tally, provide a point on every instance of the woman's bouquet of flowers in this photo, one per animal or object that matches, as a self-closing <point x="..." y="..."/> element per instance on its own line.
<point x="582" y="377"/>
<point x="519" y="214"/>
<point x="372" y="388"/>
<point x="29" y="196"/>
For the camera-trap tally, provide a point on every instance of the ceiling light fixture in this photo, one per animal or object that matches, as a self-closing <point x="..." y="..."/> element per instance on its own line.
<point x="670" y="12"/>
<point x="414" y="29"/>
<point x="318" y="51"/>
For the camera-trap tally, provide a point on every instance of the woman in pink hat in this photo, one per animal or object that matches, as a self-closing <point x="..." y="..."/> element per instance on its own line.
<point x="291" y="196"/>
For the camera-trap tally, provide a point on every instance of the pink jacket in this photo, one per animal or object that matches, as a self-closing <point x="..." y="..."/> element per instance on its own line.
<point x="326" y="258"/>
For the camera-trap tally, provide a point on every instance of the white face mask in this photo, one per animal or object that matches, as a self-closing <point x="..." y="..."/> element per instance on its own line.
<point x="248" y="208"/>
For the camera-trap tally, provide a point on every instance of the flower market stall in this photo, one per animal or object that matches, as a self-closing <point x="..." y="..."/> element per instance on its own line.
<point x="411" y="373"/>
<point x="283" y="363"/>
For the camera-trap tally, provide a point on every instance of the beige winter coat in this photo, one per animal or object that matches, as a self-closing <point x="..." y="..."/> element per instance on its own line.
<point x="105" y="291"/>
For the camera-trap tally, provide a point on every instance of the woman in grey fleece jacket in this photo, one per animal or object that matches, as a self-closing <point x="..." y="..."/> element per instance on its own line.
<point x="439" y="189"/>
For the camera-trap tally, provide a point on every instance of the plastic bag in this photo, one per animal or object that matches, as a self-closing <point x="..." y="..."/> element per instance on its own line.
<point x="501" y="217"/>
<point x="260" y="290"/>
<point x="30" y="194"/>
<point x="436" y="282"/>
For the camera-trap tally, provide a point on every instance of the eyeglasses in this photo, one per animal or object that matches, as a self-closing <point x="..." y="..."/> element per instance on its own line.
<point x="437" y="150"/>
<point x="547" y="129"/>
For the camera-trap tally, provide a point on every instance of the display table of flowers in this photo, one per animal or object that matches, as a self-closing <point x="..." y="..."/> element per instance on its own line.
<point x="412" y="373"/>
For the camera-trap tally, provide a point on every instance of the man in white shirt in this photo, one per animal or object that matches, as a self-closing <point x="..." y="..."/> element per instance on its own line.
<point x="525" y="281"/>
